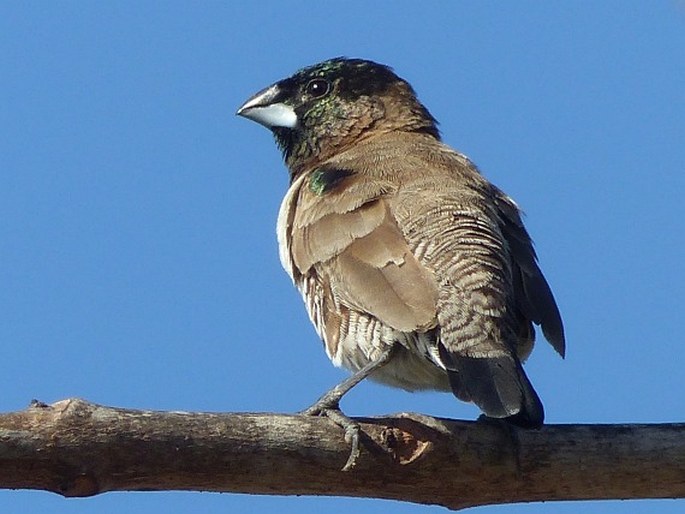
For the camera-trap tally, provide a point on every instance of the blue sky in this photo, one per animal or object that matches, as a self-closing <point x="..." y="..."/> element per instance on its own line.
<point x="137" y="241"/>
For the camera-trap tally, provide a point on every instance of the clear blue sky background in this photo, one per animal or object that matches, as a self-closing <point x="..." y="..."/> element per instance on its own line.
<point x="139" y="263"/>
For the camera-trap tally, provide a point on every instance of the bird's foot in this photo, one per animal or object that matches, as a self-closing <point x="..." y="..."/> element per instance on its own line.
<point x="329" y="401"/>
<point x="328" y="406"/>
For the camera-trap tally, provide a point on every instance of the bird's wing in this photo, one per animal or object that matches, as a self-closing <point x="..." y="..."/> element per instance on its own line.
<point x="461" y="242"/>
<point x="344" y="231"/>
<point x="531" y="292"/>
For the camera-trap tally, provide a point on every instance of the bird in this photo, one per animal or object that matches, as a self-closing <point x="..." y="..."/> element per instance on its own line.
<point x="415" y="270"/>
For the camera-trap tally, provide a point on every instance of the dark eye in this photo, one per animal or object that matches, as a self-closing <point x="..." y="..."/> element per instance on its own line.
<point x="318" y="87"/>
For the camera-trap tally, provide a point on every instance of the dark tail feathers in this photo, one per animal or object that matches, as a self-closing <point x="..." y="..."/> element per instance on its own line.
<point x="499" y="386"/>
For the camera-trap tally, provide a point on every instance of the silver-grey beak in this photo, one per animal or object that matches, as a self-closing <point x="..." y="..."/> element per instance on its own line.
<point x="266" y="109"/>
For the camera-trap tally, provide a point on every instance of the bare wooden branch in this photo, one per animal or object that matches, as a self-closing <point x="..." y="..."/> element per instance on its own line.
<point x="76" y="448"/>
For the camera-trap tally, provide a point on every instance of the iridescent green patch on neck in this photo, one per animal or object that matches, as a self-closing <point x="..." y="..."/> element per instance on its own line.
<point x="326" y="178"/>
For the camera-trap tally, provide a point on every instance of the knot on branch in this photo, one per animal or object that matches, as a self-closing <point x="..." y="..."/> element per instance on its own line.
<point x="403" y="446"/>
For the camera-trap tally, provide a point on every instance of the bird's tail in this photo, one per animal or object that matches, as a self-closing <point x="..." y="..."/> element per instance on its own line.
<point x="499" y="386"/>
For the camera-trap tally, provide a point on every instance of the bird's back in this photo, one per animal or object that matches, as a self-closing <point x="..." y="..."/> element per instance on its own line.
<point x="400" y="240"/>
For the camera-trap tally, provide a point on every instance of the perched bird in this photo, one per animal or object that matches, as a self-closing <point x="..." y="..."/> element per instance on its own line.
<point x="415" y="270"/>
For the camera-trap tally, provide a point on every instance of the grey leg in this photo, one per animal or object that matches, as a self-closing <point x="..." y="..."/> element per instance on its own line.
<point x="329" y="404"/>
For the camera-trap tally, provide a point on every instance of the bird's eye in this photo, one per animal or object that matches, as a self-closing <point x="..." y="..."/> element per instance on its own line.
<point x="318" y="87"/>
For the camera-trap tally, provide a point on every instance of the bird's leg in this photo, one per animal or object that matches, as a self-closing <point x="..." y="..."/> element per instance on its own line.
<point x="329" y="404"/>
<point x="331" y="399"/>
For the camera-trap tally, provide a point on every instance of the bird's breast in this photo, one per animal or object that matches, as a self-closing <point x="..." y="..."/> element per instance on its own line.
<point x="286" y="214"/>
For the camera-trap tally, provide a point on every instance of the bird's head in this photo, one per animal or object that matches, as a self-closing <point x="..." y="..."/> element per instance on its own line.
<point x="323" y="109"/>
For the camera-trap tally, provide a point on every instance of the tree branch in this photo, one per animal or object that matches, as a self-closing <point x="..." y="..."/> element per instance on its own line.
<point x="76" y="448"/>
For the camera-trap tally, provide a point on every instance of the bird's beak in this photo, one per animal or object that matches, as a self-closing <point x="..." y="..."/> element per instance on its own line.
<point x="268" y="109"/>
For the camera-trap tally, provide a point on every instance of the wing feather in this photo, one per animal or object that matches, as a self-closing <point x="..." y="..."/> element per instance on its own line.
<point x="532" y="292"/>
<point x="330" y="234"/>
<point x="357" y="245"/>
<point x="379" y="274"/>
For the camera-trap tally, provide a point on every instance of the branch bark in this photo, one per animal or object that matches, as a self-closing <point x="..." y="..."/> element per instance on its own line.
<point x="76" y="448"/>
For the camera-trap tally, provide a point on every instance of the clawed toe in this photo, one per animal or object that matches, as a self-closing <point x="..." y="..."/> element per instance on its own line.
<point x="332" y="411"/>
<point x="329" y="405"/>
